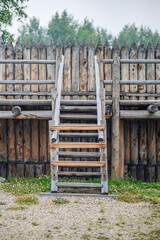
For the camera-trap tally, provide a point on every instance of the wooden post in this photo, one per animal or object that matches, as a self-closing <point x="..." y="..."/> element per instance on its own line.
<point x="125" y="141"/>
<point x="3" y="129"/>
<point x="158" y="122"/>
<point x="27" y="88"/>
<point x="99" y="53"/>
<point x="11" y="125"/>
<point x="19" y="88"/>
<point x="34" y="88"/>
<point x="108" y="88"/>
<point x="151" y="128"/>
<point x="42" y="88"/>
<point x="115" y="118"/>
<point x="134" y="123"/>
<point x="142" y="124"/>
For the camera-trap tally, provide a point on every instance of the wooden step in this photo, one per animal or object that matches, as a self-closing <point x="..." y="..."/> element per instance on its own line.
<point x="70" y="184"/>
<point x="78" y="116"/>
<point x="79" y="154"/>
<point x="77" y="127"/>
<point x="78" y="134"/>
<point x="79" y="174"/>
<point x="78" y="163"/>
<point x="77" y="145"/>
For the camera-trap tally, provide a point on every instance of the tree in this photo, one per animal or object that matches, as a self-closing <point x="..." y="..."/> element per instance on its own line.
<point x="131" y="32"/>
<point x="10" y="9"/>
<point x="63" y="26"/>
<point x="33" y="30"/>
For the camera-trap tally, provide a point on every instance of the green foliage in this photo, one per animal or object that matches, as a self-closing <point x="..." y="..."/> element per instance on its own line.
<point x="27" y="199"/>
<point x="32" y="30"/>
<point x="60" y="201"/>
<point x="10" y="9"/>
<point x="131" y="32"/>
<point x="63" y="26"/>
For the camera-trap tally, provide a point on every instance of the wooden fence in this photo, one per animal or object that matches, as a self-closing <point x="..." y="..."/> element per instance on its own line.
<point x="24" y="144"/>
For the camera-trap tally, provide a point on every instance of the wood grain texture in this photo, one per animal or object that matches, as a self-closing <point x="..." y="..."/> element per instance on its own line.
<point x="3" y="129"/>
<point x="78" y="163"/>
<point x="157" y="55"/>
<point x="77" y="127"/>
<point x="77" y="145"/>
<point x="11" y="125"/>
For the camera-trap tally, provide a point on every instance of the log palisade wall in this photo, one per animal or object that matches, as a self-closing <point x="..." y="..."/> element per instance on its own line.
<point x="24" y="148"/>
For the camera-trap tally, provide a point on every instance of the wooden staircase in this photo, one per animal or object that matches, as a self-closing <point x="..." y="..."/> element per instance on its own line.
<point x="59" y="150"/>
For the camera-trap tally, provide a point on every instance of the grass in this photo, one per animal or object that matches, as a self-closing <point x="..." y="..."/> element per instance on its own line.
<point x="60" y="201"/>
<point x="27" y="199"/>
<point x="128" y="190"/>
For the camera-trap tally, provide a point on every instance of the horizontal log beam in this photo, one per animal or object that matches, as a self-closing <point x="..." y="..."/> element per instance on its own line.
<point x="78" y="108"/>
<point x="140" y="61"/>
<point x="90" y="185"/>
<point x="107" y="61"/>
<point x="81" y="135"/>
<point x="139" y="102"/>
<point x="78" y="163"/>
<point x="79" y="154"/>
<point x="90" y="93"/>
<point x="8" y="61"/>
<point x="138" y="114"/>
<point x="41" y="115"/>
<point x="134" y="82"/>
<point x="79" y="174"/>
<point x="77" y="145"/>
<point x="78" y="116"/>
<point x="25" y="93"/>
<point x="24" y="102"/>
<point x="27" y="82"/>
<point x="77" y="127"/>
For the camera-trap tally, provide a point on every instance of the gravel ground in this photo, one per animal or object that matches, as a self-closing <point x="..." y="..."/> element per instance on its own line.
<point x="81" y="218"/>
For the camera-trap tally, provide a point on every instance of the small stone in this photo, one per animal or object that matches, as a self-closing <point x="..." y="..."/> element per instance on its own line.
<point x="2" y="180"/>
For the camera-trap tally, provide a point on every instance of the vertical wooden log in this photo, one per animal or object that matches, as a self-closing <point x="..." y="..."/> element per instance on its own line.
<point x="27" y="88"/>
<point x="134" y="123"/>
<point x="51" y="75"/>
<point x="34" y="88"/>
<point x="108" y="88"/>
<point x="59" y="52"/>
<point x="75" y="68"/>
<point x="125" y="132"/>
<point x="83" y="79"/>
<point x="99" y="53"/>
<point x="158" y="121"/>
<point x="3" y="129"/>
<point x="115" y="118"/>
<point x="10" y="87"/>
<point x="151" y="133"/>
<point x="19" y="88"/>
<point x="142" y="124"/>
<point x="42" y="88"/>
<point x="91" y="81"/>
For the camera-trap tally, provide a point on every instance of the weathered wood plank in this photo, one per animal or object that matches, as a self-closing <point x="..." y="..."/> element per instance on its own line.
<point x="139" y="114"/>
<point x="157" y="55"/>
<point x="78" y="163"/>
<point x="77" y="127"/>
<point x="151" y="124"/>
<point x="26" y="88"/>
<point x="77" y="145"/>
<point x="67" y="184"/>
<point x="34" y="88"/>
<point x="3" y="130"/>
<point x="11" y="126"/>
<point x="79" y="154"/>
<point x="42" y="88"/>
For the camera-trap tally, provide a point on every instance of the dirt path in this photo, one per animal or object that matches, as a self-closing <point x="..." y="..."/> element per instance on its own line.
<point x="81" y="218"/>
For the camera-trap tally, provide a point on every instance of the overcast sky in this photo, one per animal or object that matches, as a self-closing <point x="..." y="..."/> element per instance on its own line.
<point x="109" y="14"/>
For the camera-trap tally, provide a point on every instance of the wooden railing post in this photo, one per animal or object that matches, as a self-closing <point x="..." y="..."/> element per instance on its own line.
<point x="115" y="118"/>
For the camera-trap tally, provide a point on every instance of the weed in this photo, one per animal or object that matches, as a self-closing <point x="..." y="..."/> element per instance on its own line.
<point x="102" y="210"/>
<point x="12" y="236"/>
<point x="76" y="201"/>
<point x="47" y="236"/>
<point x="34" y="224"/>
<point x="27" y="199"/>
<point x="2" y="203"/>
<point x="16" y="208"/>
<point x="60" y="201"/>
<point x="51" y="212"/>
<point x="102" y="238"/>
<point x="86" y="236"/>
<point x="99" y="202"/>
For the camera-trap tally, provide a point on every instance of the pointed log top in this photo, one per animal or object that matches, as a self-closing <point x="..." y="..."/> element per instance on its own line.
<point x="141" y="45"/>
<point x="158" y="46"/>
<point x="1" y="41"/>
<point x="67" y="43"/>
<point x="83" y="44"/>
<point x="107" y="45"/>
<point x="91" y="44"/>
<point x="99" y="44"/>
<point x="9" y="42"/>
<point x="115" y="45"/>
<point x="27" y="44"/>
<point x="124" y="45"/>
<point x="34" y="44"/>
<point x="41" y="44"/>
<point x="74" y="43"/>
<point x="133" y="45"/>
<point x="59" y="43"/>
<point x="149" y="46"/>
<point x="50" y="43"/>
<point x="18" y="43"/>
